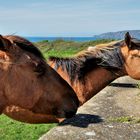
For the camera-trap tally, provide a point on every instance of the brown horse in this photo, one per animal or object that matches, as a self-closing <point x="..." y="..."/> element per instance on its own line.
<point x="90" y="71"/>
<point x="29" y="83"/>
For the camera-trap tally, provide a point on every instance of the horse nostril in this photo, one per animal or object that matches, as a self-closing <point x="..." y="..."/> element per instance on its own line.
<point x="70" y="114"/>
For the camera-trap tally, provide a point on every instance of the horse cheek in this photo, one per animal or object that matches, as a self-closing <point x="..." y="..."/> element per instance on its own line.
<point x="132" y="67"/>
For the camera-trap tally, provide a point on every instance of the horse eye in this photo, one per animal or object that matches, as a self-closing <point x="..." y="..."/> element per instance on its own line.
<point x="40" y="69"/>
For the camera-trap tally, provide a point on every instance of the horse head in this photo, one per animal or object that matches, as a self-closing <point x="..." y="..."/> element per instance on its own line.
<point x="29" y="82"/>
<point x="131" y="55"/>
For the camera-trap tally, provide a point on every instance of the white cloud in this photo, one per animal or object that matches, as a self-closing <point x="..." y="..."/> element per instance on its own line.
<point x="76" y="18"/>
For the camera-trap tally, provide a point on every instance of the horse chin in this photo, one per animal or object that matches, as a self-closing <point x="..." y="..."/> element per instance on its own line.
<point x="135" y="76"/>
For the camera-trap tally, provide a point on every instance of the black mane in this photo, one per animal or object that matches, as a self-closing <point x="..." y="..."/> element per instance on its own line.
<point x="75" y="67"/>
<point x="78" y="66"/>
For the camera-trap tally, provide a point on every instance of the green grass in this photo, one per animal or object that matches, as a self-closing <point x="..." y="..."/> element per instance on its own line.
<point x="14" y="130"/>
<point x="66" y="48"/>
<point x="138" y="85"/>
<point x="125" y="119"/>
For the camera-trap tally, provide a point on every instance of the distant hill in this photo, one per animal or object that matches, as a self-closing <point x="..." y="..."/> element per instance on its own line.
<point x="118" y="35"/>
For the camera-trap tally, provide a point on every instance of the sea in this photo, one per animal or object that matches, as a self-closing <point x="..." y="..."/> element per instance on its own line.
<point x="78" y="39"/>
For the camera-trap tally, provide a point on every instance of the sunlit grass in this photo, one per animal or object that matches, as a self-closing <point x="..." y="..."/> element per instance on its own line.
<point x="66" y="48"/>
<point x="14" y="130"/>
<point x="125" y="119"/>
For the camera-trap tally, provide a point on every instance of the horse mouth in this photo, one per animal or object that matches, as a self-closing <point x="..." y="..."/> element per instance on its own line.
<point x="65" y="114"/>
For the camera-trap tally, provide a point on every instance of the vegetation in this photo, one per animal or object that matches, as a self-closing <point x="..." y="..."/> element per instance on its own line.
<point x="125" y="119"/>
<point x="13" y="130"/>
<point x="66" y="48"/>
<point x="138" y="85"/>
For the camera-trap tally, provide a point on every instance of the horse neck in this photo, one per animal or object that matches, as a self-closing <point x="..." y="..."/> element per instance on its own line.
<point x="93" y="82"/>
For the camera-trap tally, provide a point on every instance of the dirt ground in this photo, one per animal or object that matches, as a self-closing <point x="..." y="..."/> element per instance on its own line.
<point x="113" y="114"/>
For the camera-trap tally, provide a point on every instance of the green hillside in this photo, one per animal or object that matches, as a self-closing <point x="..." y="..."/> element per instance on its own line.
<point x="66" y="48"/>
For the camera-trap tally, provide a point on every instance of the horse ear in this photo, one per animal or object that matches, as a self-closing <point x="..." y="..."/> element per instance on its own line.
<point x="4" y="43"/>
<point x="128" y="39"/>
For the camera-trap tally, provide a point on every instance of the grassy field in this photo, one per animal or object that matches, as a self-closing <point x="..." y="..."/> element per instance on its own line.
<point x="13" y="130"/>
<point x="66" y="48"/>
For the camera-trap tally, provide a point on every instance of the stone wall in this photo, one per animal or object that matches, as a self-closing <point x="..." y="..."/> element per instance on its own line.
<point x="113" y="114"/>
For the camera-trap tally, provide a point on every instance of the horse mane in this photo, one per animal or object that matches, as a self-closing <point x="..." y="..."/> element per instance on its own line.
<point x="75" y="67"/>
<point x="25" y="45"/>
<point x="107" y="56"/>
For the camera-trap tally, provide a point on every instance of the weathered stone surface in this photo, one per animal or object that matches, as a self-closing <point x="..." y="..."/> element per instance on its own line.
<point x="95" y="119"/>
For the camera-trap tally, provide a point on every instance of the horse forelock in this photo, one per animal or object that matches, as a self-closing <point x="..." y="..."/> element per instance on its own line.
<point x="77" y="67"/>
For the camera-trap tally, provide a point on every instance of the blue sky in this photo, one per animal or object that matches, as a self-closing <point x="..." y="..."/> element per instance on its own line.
<point x="68" y="17"/>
